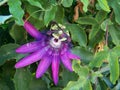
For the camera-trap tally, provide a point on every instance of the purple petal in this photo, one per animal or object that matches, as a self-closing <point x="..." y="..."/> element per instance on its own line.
<point x="50" y="51"/>
<point x="31" y="58"/>
<point x="72" y="56"/>
<point x="43" y="66"/>
<point x="32" y="30"/>
<point x="67" y="62"/>
<point x="64" y="49"/>
<point x="29" y="47"/>
<point x="55" y="68"/>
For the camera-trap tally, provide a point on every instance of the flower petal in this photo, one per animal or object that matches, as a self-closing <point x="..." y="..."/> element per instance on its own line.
<point x="50" y="51"/>
<point x="64" y="49"/>
<point x="72" y="56"/>
<point x="31" y="58"/>
<point x="32" y="30"/>
<point x="43" y="66"/>
<point x="67" y="62"/>
<point x="55" y="68"/>
<point x="30" y="47"/>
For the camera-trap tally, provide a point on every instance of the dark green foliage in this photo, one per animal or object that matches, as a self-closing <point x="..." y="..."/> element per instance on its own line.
<point x="100" y="22"/>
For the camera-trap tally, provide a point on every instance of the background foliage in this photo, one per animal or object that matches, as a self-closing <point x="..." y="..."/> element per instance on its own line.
<point x="94" y="26"/>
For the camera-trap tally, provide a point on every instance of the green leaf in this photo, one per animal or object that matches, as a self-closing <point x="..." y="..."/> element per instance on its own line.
<point x="22" y="79"/>
<point x="87" y="86"/>
<point x="86" y="20"/>
<point x="67" y="76"/>
<point x="98" y="59"/>
<point x="94" y="31"/>
<point x="85" y="4"/>
<point x="76" y="66"/>
<point x="35" y="3"/>
<point x="95" y="75"/>
<point x="104" y="5"/>
<point x="7" y="52"/>
<point x="7" y="74"/>
<point x="3" y="85"/>
<point x="115" y="34"/>
<point x="85" y="55"/>
<point x="45" y="4"/>
<point x="73" y="85"/>
<point x="83" y="72"/>
<point x="90" y="21"/>
<point x="116" y="8"/>
<point x="53" y="2"/>
<point x="114" y="67"/>
<point x="117" y="87"/>
<point x="33" y="11"/>
<point x="78" y="34"/>
<point x="116" y="50"/>
<point x="67" y="3"/>
<point x="59" y="15"/>
<point x="101" y="15"/>
<point x="37" y="84"/>
<point x="18" y="33"/>
<point x="41" y="4"/>
<point x="49" y="15"/>
<point x="96" y="39"/>
<point x="106" y="23"/>
<point x="16" y="10"/>
<point x="38" y="24"/>
<point x="102" y="83"/>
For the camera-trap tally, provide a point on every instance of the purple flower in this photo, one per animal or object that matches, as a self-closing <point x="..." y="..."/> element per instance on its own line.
<point x="49" y="48"/>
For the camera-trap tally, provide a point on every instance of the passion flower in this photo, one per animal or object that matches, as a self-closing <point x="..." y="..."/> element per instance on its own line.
<point x="49" y="48"/>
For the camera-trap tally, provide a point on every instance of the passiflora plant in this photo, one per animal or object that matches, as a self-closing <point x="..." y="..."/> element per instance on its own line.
<point x="59" y="44"/>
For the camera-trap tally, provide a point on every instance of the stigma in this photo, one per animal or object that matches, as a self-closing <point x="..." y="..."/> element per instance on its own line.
<point x="55" y="43"/>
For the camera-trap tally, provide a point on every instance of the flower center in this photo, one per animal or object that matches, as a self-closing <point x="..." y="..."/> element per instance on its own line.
<point x="55" y="43"/>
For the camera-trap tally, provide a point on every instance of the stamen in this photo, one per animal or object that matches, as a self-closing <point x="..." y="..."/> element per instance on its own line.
<point x="67" y="32"/>
<point x="63" y="39"/>
<point x="54" y="27"/>
<point x="55" y="35"/>
<point x="61" y="26"/>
